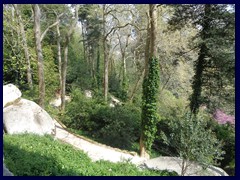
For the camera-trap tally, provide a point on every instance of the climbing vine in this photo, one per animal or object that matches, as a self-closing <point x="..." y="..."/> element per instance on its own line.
<point x="149" y="103"/>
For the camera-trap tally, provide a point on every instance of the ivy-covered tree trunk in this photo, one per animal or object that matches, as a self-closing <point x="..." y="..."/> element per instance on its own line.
<point x="150" y="90"/>
<point x="195" y="99"/>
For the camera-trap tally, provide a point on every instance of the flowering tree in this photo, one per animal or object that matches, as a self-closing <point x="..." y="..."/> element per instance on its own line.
<point x="223" y="118"/>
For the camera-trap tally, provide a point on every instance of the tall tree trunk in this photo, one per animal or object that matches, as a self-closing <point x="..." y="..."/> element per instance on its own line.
<point x="143" y="152"/>
<point x="84" y="43"/>
<point x="37" y="33"/>
<point x="105" y="71"/>
<point x="105" y="56"/>
<point x="195" y="99"/>
<point x="136" y="85"/>
<point x="59" y="57"/>
<point x="64" y="72"/>
<point x="151" y="41"/>
<point x="98" y="76"/>
<point x="153" y="32"/>
<point x="64" y="63"/>
<point x="25" y="47"/>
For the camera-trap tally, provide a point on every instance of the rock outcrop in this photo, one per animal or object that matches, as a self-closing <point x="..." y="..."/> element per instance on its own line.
<point x="11" y="94"/>
<point x="24" y="116"/>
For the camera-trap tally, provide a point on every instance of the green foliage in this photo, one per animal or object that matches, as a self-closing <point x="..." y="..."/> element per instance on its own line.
<point x="226" y="134"/>
<point x="50" y="73"/>
<point x="192" y="140"/>
<point x="114" y="84"/>
<point x="32" y="155"/>
<point x="124" y="90"/>
<point x="118" y="87"/>
<point x="31" y="94"/>
<point x="78" y="111"/>
<point x="117" y="127"/>
<point x="170" y="106"/>
<point x="214" y="67"/>
<point x="78" y="73"/>
<point x="149" y="103"/>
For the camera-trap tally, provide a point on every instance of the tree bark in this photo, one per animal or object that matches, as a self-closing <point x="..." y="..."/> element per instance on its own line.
<point x="25" y="47"/>
<point x="136" y="85"/>
<point x="151" y="41"/>
<point x="59" y="56"/>
<point x="123" y="53"/>
<point x="105" y="56"/>
<point x="63" y="73"/>
<point x="64" y="63"/>
<point x="153" y="32"/>
<point x="37" y="32"/>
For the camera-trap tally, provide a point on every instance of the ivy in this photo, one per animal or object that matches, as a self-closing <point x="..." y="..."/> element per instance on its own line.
<point x="149" y="103"/>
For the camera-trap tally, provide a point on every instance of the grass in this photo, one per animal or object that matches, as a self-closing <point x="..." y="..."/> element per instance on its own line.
<point x="32" y="155"/>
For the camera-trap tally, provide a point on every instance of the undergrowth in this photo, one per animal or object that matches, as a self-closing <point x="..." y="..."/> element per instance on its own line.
<point x="32" y="155"/>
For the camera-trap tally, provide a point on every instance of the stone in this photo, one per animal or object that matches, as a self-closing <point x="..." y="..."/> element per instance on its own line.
<point x="114" y="102"/>
<point x="88" y="94"/>
<point x="57" y="101"/>
<point x="27" y="117"/>
<point x="6" y="171"/>
<point x="10" y="94"/>
<point x="174" y="164"/>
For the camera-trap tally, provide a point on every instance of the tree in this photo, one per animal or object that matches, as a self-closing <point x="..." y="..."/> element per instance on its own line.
<point x="25" y="46"/>
<point x="150" y="89"/>
<point x="15" y="65"/>
<point x="123" y="48"/>
<point x="193" y="141"/>
<point x="109" y="10"/>
<point x="215" y="43"/>
<point x="37" y="32"/>
<point x="64" y="64"/>
<point x="38" y="45"/>
<point x="91" y="23"/>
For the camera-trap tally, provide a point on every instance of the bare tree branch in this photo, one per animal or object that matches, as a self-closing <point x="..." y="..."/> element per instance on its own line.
<point x="115" y="28"/>
<point x="49" y="27"/>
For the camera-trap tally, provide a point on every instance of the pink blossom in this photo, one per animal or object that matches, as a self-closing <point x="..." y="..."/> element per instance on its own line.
<point x="223" y="118"/>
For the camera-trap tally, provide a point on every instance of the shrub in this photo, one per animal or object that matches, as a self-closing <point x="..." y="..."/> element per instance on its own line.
<point x="79" y="110"/>
<point x="223" y="118"/>
<point x="192" y="141"/>
<point x="117" y="127"/>
<point x="226" y="134"/>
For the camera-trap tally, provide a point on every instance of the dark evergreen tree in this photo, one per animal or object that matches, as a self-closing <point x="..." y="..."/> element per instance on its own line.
<point x="214" y="68"/>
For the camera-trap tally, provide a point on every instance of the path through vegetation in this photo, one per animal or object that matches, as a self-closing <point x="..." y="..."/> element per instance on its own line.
<point x="96" y="151"/>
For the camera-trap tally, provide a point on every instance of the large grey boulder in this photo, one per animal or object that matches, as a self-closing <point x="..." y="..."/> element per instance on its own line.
<point x="26" y="116"/>
<point x="174" y="164"/>
<point x="10" y="94"/>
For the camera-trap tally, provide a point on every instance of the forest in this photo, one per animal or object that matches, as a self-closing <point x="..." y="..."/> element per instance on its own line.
<point x="157" y="79"/>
